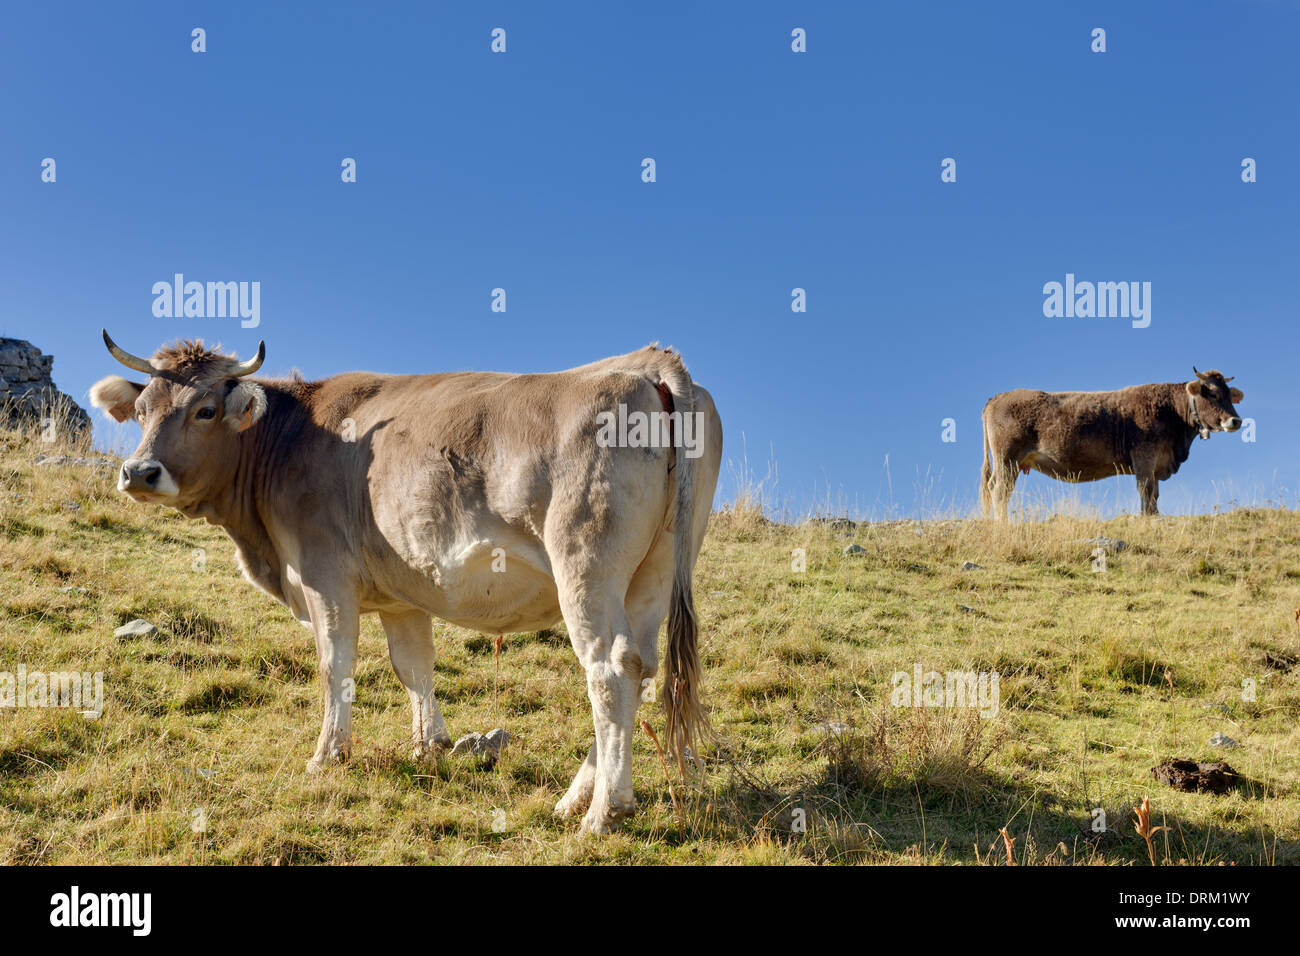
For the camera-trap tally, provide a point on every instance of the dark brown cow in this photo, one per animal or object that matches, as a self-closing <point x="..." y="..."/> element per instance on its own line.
<point x="1144" y="430"/>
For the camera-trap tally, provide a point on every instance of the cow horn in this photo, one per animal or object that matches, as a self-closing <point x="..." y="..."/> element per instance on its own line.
<point x="253" y="364"/>
<point x="1230" y="378"/>
<point x="126" y="358"/>
<point x="1200" y="375"/>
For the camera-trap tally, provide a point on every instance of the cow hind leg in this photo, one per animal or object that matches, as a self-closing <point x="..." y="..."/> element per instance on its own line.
<point x="647" y="607"/>
<point x="1003" y="484"/>
<point x="410" y="647"/>
<point x="986" y="488"/>
<point x="601" y="635"/>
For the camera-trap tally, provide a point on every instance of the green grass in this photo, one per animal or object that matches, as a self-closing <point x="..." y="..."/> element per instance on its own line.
<point x="1103" y="676"/>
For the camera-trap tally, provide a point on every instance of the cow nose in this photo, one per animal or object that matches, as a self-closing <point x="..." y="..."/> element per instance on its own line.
<point x="1233" y="424"/>
<point x="139" y="474"/>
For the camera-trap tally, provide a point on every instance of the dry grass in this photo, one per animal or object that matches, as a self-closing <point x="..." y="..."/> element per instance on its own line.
<point x="1103" y="676"/>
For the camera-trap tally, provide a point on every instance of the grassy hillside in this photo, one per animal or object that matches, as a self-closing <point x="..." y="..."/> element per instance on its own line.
<point x="1103" y="676"/>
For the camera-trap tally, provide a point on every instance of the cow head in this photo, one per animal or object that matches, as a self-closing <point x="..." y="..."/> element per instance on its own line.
<point x="190" y="411"/>
<point x="1211" y="401"/>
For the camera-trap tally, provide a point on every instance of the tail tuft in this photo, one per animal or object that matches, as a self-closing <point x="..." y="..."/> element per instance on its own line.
<point x="686" y="718"/>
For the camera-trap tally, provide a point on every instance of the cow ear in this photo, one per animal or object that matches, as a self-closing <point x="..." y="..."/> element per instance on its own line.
<point x="245" y="404"/>
<point x="1237" y="395"/>
<point x="1193" y="388"/>
<point x="116" y="396"/>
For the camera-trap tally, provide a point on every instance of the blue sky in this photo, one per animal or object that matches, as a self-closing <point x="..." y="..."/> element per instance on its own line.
<point x="775" y="170"/>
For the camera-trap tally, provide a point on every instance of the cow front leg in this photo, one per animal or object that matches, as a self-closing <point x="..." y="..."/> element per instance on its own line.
<point x="411" y="650"/>
<point x="336" y="622"/>
<point x="1148" y="491"/>
<point x="1144" y="468"/>
<point x="578" y="797"/>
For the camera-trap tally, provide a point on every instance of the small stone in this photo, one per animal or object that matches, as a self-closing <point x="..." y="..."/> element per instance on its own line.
<point x="489" y="746"/>
<point x="466" y="744"/>
<point x="1223" y="740"/>
<point x="494" y="742"/>
<point x="967" y="608"/>
<point x="971" y="566"/>
<point x="853" y="550"/>
<point x="137" y="628"/>
<point x="72" y="589"/>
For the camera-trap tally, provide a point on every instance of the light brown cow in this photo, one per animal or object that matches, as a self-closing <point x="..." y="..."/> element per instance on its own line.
<point x="1144" y="430"/>
<point x="497" y="502"/>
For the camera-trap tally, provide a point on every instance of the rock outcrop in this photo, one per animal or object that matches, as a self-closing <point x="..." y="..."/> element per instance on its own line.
<point x="28" y="396"/>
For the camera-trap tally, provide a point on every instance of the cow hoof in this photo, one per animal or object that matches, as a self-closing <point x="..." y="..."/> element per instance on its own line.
<point x="596" y="823"/>
<point x="432" y="750"/>
<point x="572" y="804"/>
<point x="321" y="764"/>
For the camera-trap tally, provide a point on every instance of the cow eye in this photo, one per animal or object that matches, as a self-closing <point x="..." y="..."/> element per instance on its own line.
<point x="206" y="414"/>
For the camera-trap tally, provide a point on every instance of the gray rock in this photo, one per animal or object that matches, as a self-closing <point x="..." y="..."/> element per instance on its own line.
<point x="854" y="549"/>
<point x="489" y="746"/>
<point x="1101" y="541"/>
<point x="63" y="461"/>
<point x="466" y="744"/>
<point x="833" y="727"/>
<point x="1223" y="740"/>
<point x="971" y="566"/>
<point x="28" y="394"/>
<point x="137" y="628"/>
<point x="835" y="524"/>
<point x="73" y="589"/>
<point x="967" y="608"/>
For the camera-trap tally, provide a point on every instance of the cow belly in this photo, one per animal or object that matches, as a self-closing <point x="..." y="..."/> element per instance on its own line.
<point x="1086" y="472"/>
<point x="497" y="583"/>
<point x="502" y="603"/>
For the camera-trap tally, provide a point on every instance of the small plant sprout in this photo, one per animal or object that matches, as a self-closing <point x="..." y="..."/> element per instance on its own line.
<point x="1144" y="828"/>
<point x="1008" y="841"/>
<point x="645" y="725"/>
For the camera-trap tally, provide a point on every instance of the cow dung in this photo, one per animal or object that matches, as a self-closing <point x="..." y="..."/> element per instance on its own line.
<point x="1190" y="776"/>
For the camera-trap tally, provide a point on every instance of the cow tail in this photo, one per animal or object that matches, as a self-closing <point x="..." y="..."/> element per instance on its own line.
<point x="686" y="720"/>
<point x="986" y="473"/>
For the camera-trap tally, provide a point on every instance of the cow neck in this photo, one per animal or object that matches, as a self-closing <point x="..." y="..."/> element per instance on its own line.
<point x="1192" y="415"/>
<point x="239" y="510"/>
